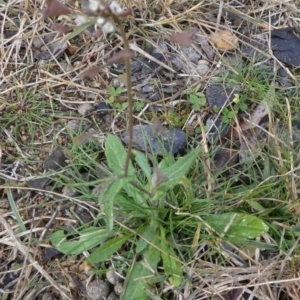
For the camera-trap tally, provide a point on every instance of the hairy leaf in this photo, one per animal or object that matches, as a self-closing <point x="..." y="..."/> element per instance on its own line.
<point x="108" y="197"/>
<point x="107" y="249"/>
<point x="171" y="264"/>
<point x="116" y="155"/>
<point x="87" y="239"/>
<point x="137" y="283"/>
<point x="182" y="166"/>
<point x="237" y="225"/>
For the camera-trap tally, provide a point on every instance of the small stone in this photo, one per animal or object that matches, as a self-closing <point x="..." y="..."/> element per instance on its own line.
<point x="39" y="183"/>
<point x="37" y="42"/>
<point x="216" y="128"/>
<point x="69" y="191"/>
<point x="202" y="67"/>
<point x="116" y="82"/>
<point x="55" y="160"/>
<point x="47" y="296"/>
<point x="285" y="45"/>
<point x="84" y="108"/>
<point x="97" y="290"/>
<point x="118" y="287"/>
<point x="172" y="141"/>
<point x="83" y="214"/>
<point x="218" y="96"/>
<point x="76" y="125"/>
<point x="50" y="253"/>
<point x="112" y="296"/>
<point x="102" y="108"/>
<point x="111" y="276"/>
<point x="225" y="157"/>
<point x="147" y="89"/>
<point x="191" y="53"/>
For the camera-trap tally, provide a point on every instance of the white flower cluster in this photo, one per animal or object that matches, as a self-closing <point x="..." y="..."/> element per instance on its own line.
<point x="106" y="25"/>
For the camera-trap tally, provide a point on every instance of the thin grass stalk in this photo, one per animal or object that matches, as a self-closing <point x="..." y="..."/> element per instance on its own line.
<point x="129" y="92"/>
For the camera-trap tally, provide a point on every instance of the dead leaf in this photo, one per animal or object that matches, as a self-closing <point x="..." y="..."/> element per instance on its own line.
<point x="81" y="139"/>
<point x="55" y="8"/>
<point x="158" y="177"/>
<point x="184" y="38"/>
<point x="71" y="50"/>
<point x="158" y="128"/>
<point x="224" y="40"/>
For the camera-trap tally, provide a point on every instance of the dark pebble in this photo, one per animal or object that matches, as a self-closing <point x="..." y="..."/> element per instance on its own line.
<point x="55" y="160"/>
<point x="217" y="129"/>
<point x="219" y="96"/>
<point x="102" y="108"/>
<point x="173" y="141"/>
<point x="286" y="46"/>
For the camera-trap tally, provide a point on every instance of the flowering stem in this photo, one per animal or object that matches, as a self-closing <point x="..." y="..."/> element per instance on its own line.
<point x="129" y="92"/>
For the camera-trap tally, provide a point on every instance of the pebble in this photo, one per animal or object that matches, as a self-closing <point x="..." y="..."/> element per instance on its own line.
<point x="76" y="125"/>
<point x="55" y="160"/>
<point x="218" y="96"/>
<point x="172" y="141"/>
<point x="217" y="129"/>
<point x="191" y="53"/>
<point x="84" y="108"/>
<point x="203" y="67"/>
<point x="97" y="290"/>
<point x="69" y="191"/>
<point x="112" y="296"/>
<point x="103" y="108"/>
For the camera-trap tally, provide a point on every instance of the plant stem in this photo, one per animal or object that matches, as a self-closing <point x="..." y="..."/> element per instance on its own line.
<point x="129" y="92"/>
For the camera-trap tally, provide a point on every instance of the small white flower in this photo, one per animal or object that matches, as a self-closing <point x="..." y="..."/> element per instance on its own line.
<point x="108" y="27"/>
<point x="94" y="5"/>
<point x="115" y="7"/>
<point x="80" y="19"/>
<point x="100" y="21"/>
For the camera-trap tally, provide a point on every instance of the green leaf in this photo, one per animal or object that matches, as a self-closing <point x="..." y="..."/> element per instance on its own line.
<point x="243" y="107"/>
<point x="231" y="114"/>
<point x="119" y="90"/>
<point x="15" y="210"/>
<point x="116" y="155"/>
<point x="194" y="99"/>
<point x="171" y="263"/>
<point x="80" y="29"/>
<point x="137" y="284"/>
<point x="153" y="255"/>
<point x="143" y="163"/>
<point x="148" y="234"/>
<point x="107" y="249"/>
<point x="237" y="225"/>
<point x="254" y="204"/>
<point x="163" y="189"/>
<point x="108" y="195"/>
<point x="88" y="239"/>
<point x="112" y="91"/>
<point x="182" y="166"/>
